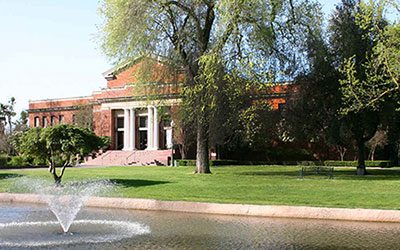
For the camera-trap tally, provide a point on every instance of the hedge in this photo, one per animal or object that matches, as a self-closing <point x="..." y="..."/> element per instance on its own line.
<point x="382" y="164"/>
<point x="18" y="161"/>
<point x="3" y="160"/>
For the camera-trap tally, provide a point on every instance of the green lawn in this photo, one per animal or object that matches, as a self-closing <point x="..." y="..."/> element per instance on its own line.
<point x="240" y="184"/>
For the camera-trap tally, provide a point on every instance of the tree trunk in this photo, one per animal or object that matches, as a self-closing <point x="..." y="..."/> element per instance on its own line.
<point x="202" y="161"/>
<point x="361" y="170"/>
<point x="10" y="124"/>
<point x="373" y="154"/>
<point x="342" y="151"/>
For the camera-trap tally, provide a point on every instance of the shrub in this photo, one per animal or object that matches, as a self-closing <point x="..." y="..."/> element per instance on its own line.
<point x="184" y="163"/>
<point x="18" y="161"/>
<point x="340" y="163"/>
<point x="3" y="160"/>
<point x="382" y="164"/>
<point x="215" y="163"/>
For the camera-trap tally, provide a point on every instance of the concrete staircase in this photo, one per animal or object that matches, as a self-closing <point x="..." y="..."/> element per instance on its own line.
<point x="131" y="158"/>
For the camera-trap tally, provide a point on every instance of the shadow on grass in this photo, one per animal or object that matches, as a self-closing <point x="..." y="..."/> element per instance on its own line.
<point x="136" y="183"/>
<point x="9" y="176"/>
<point x="293" y="173"/>
<point x="338" y="173"/>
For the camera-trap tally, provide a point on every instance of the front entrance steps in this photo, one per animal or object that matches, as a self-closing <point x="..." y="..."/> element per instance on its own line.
<point x="131" y="158"/>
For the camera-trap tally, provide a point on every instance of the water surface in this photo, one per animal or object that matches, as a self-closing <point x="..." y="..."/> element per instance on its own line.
<point x="167" y="230"/>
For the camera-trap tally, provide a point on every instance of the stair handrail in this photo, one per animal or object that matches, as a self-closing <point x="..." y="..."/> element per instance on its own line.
<point x="126" y="159"/>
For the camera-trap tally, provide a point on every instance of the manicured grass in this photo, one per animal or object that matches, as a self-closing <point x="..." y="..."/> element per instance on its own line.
<point x="271" y="185"/>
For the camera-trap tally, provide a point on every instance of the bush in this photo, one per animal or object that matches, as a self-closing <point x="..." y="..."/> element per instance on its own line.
<point x="340" y="163"/>
<point x="382" y="164"/>
<point x="18" y="161"/>
<point x="215" y="163"/>
<point x="3" y="160"/>
<point x="184" y="163"/>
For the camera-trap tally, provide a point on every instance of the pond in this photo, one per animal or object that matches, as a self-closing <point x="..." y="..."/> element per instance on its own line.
<point x="24" y="226"/>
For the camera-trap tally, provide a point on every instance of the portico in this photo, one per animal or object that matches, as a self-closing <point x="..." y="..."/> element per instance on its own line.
<point x="148" y="122"/>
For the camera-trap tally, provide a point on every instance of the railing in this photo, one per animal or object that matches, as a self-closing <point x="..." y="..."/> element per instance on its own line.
<point x="127" y="158"/>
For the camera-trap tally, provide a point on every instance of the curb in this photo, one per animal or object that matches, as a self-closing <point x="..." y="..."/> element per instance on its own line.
<point x="299" y="212"/>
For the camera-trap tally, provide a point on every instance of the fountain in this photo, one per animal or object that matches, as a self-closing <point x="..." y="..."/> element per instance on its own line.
<point x="65" y="202"/>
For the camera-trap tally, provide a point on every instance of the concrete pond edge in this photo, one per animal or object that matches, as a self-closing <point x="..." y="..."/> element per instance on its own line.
<point x="273" y="211"/>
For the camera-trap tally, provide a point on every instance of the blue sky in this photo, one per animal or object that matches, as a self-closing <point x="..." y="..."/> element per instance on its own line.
<point x="48" y="49"/>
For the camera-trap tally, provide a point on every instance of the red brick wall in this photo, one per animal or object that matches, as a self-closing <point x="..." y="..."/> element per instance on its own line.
<point x="160" y="73"/>
<point x="103" y="124"/>
<point x="103" y="119"/>
<point x="67" y="117"/>
<point x="60" y="103"/>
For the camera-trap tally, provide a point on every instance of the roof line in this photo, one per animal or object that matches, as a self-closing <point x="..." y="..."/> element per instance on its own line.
<point x="62" y="99"/>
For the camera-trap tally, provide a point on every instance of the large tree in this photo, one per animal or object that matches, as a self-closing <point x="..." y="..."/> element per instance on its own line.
<point x="358" y="31"/>
<point x="210" y="39"/>
<point x="382" y="67"/>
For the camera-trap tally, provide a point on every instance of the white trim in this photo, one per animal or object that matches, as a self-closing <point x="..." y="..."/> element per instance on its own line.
<point x="139" y="104"/>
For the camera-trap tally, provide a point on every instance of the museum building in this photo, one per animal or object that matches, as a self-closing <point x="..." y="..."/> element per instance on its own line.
<point x="133" y="113"/>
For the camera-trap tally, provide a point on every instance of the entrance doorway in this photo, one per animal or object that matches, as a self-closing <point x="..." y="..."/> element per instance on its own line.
<point x="143" y="123"/>
<point x="119" y="132"/>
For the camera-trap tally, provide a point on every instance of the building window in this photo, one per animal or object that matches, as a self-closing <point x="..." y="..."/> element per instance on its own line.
<point x="281" y="107"/>
<point x="143" y="122"/>
<point x="44" y="121"/>
<point x="73" y="119"/>
<point x="120" y="122"/>
<point x="36" y="122"/>
<point x="52" y="120"/>
<point x="60" y="119"/>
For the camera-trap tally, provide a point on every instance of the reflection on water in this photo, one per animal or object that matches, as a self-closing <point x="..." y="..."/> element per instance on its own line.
<point x="191" y="231"/>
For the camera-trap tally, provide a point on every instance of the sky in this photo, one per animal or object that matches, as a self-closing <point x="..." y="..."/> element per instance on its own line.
<point x="48" y="49"/>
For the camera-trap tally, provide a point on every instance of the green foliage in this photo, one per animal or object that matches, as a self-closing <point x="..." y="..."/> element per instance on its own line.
<point x="3" y="160"/>
<point x="184" y="163"/>
<point x="259" y="125"/>
<point x="31" y="144"/>
<point x="7" y="111"/>
<point x="377" y="80"/>
<point x="84" y="117"/>
<point x="210" y="41"/>
<point x="60" y="143"/>
<point x="18" y="161"/>
<point x="381" y="164"/>
<point x="215" y="163"/>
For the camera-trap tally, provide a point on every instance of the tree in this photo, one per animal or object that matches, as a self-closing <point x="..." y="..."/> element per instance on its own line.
<point x="84" y="117"/>
<point x="61" y="144"/>
<point x="22" y="123"/>
<point x="381" y="70"/>
<point x="379" y="140"/>
<point x="209" y="39"/>
<point x="7" y="110"/>
<point x="356" y="40"/>
<point x="311" y="114"/>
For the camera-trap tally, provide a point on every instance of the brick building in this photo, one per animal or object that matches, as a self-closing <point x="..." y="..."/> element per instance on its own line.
<point x="128" y="111"/>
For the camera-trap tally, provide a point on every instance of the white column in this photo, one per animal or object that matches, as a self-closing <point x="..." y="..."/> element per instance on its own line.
<point x="126" y="129"/>
<point x="156" y="129"/>
<point x="169" y="138"/>
<point x="132" y="129"/>
<point x="150" y="129"/>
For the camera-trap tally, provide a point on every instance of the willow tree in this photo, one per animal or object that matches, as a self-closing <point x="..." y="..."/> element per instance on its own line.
<point x="214" y="41"/>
